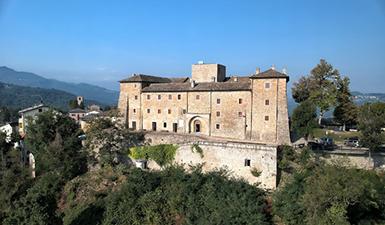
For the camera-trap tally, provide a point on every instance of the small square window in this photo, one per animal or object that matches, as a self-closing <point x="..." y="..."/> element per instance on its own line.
<point x="197" y="97"/>
<point x="247" y="162"/>
<point x="164" y="124"/>
<point x="169" y="97"/>
<point x="179" y="97"/>
<point x="267" y="85"/>
<point x="184" y="111"/>
<point x="240" y="114"/>
<point x="217" y="126"/>
<point x="218" y="101"/>
<point x="148" y="110"/>
<point x="240" y="101"/>
<point x="266" y="118"/>
<point x="148" y="97"/>
<point x="40" y="110"/>
<point x="136" y="97"/>
<point x="169" y="111"/>
<point x="159" y="97"/>
<point x="267" y="102"/>
<point x="218" y="114"/>
<point x="159" y="111"/>
<point x="134" y="85"/>
<point x="134" y="110"/>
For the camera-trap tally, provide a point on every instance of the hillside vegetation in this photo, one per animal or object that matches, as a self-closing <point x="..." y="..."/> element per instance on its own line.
<point x="91" y="92"/>
<point x="18" y="97"/>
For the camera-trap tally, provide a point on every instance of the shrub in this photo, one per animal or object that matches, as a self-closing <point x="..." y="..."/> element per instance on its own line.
<point x="162" y="154"/>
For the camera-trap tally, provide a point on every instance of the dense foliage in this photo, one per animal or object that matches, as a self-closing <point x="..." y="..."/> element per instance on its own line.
<point x="162" y="154"/>
<point x="173" y="196"/>
<point x="8" y="115"/>
<point x="53" y="139"/>
<point x="346" y="111"/>
<point x="109" y="142"/>
<point x="371" y="121"/>
<point x="319" y="193"/>
<point x="303" y="120"/>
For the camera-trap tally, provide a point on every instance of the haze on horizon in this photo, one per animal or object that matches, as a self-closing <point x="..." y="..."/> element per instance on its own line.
<point x="102" y="42"/>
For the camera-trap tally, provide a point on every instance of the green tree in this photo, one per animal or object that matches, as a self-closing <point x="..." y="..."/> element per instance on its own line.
<point x="110" y="142"/>
<point x="303" y="120"/>
<point x="173" y="196"/>
<point x="39" y="205"/>
<point x="332" y="194"/>
<point x="371" y="120"/>
<point x="53" y="139"/>
<point x="14" y="179"/>
<point x="320" y="87"/>
<point x="346" y="111"/>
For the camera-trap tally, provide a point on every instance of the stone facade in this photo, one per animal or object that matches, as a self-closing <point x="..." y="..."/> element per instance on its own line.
<point x="239" y="158"/>
<point x="252" y="108"/>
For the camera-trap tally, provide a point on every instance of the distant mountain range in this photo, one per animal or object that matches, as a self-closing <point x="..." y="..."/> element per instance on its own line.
<point x="89" y="92"/>
<point x="19" y="97"/>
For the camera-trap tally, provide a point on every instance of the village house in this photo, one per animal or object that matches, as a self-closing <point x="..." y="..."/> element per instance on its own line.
<point x="252" y="108"/>
<point x="27" y="113"/>
<point x="77" y="114"/>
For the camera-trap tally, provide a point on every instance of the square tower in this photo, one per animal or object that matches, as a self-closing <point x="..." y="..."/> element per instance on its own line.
<point x="202" y="72"/>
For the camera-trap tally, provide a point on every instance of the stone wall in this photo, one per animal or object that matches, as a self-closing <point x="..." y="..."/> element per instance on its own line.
<point x="224" y="154"/>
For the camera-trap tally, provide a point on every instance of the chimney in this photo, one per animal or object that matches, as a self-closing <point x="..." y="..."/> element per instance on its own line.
<point x="258" y="70"/>
<point x="273" y="67"/>
<point x="192" y="83"/>
<point x="200" y="62"/>
<point x="235" y="79"/>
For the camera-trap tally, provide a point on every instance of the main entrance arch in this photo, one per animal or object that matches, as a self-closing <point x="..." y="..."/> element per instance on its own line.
<point x="198" y="124"/>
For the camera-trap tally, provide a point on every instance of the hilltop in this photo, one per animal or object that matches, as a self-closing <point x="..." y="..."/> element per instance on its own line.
<point x="103" y="95"/>
<point x="15" y="96"/>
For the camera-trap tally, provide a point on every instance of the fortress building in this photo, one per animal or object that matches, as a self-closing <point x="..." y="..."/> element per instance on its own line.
<point x="252" y="108"/>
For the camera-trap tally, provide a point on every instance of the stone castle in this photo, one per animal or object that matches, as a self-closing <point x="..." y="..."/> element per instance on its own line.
<point x="251" y="108"/>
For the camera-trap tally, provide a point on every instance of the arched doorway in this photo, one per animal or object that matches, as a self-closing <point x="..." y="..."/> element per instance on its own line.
<point x="197" y="126"/>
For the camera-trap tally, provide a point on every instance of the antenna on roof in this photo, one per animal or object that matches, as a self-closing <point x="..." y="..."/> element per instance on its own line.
<point x="273" y="67"/>
<point x="284" y="71"/>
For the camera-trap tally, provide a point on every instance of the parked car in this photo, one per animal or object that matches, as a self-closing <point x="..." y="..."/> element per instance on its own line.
<point x="352" y="142"/>
<point x="326" y="143"/>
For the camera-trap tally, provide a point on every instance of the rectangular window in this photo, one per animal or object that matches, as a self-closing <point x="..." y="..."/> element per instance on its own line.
<point x="159" y="111"/>
<point x="148" y="110"/>
<point x="267" y="85"/>
<point x="240" y="114"/>
<point x="40" y="110"/>
<point x="136" y="97"/>
<point x="169" y="97"/>
<point x="266" y="118"/>
<point x="218" y="101"/>
<point x="148" y="97"/>
<point x="184" y="111"/>
<point x="197" y="97"/>
<point x="179" y="97"/>
<point x="134" y="110"/>
<point x="240" y="101"/>
<point x="169" y="111"/>
<point x="165" y="125"/>
<point x="159" y="97"/>
<point x="217" y="126"/>
<point x="267" y="102"/>
<point x="247" y="162"/>
<point x="218" y="114"/>
<point x="133" y="125"/>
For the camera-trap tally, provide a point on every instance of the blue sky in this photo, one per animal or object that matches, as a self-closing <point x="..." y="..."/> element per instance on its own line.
<point x="105" y="41"/>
